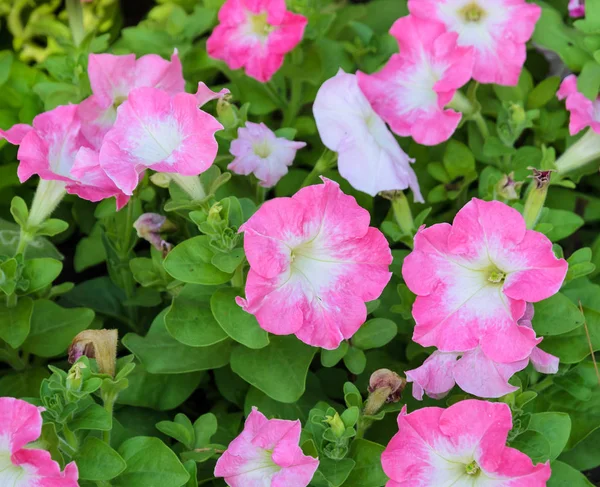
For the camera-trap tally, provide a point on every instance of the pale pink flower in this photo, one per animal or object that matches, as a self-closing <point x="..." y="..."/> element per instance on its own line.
<point x="411" y="90"/>
<point x="112" y="78"/>
<point x="266" y="454"/>
<point x="464" y="444"/>
<point x="474" y="372"/>
<point x="584" y="112"/>
<point x="473" y="279"/>
<point x="577" y="8"/>
<point x="497" y="30"/>
<point x="258" y="150"/>
<point x="20" y="424"/>
<point x="369" y="156"/>
<point x="255" y="35"/>
<point x="314" y="262"/>
<point x="55" y="149"/>
<point x="155" y="130"/>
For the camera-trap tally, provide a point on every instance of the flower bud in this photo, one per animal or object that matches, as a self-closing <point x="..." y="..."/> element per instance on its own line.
<point x="75" y="376"/>
<point x="536" y="197"/>
<point x="161" y="179"/>
<point x="508" y="188"/>
<point x="337" y="425"/>
<point x="98" y="344"/>
<point x="214" y="214"/>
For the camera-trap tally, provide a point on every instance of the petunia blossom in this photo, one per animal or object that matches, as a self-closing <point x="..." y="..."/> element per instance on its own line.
<point x="314" y="262"/>
<point x="497" y="30"/>
<point x="258" y="150"/>
<point x="20" y="466"/>
<point x="112" y="78"/>
<point x="155" y="130"/>
<point x="54" y="149"/>
<point x="411" y="90"/>
<point x="576" y="8"/>
<point x="474" y="372"/>
<point x="584" y="112"/>
<point x="464" y="444"/>
<point x="369" y="156"/>
<point x="473" y="279"/>
<point x="266" y="454"/>
<point x="256" y="36"/>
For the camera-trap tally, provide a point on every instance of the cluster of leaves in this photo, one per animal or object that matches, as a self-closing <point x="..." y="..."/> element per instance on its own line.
<point x="201" y="362"/>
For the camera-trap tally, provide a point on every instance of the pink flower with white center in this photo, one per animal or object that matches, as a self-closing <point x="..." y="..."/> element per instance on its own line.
<point x="258" y="150"/>
<point x="255" y="35"/>
<point x="497" y="30"/>
<point x="473" y="279"/>
<point x="463" y="445"/>
<point x="474" y="372"/>
<point x="266" y="454"/>
<point x="584" y="112"/>
<point x="54" y="149"/>
<point x="155" y="130"/>
<point x="314" y="262"/>
<point x="369" y="156"/>
<point x="20" y="424"/>
<point x="411" y="90"/>
<point x="112" y="78"/>
<point x="577" y="8"/>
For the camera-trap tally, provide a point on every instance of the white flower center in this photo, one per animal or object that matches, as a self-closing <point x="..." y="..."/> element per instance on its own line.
<point x="12" y="475"/>
<point x="262" y="149"/>
<point x="259" y="26"/>
<point x="157" y="141"/>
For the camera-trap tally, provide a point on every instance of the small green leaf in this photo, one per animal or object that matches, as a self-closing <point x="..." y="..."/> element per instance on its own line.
<point x="15" y="322"/>
<point x="19" y="211"/>
<point x="367" y="472"/>
<point x="330" y="358"/>
<point x="375" y="333"/>
<point x="97" y="461"/>
<point x="41" y="272"/>
<point x="355" y="360"/>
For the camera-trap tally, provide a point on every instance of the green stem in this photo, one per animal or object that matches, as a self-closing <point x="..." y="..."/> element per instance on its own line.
<point x="12" y="358"/>
<point x="11" y="300"/>
<point x="325" y="162"/>
<point x="238" y="276"/>
<point x="295" y="103"/>
<point x="274" y="94"/>
<point x="25" y="239"/>
<point x="109" y="404"/>
<point x="481" y="125"/>
<point x="462" y="104"/>
<point x="402" y="213"/>
<point x="75" y="13"/>
<point x="261" y="193"/>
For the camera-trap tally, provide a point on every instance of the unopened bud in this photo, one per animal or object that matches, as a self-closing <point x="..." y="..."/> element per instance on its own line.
<point x="98" y="344"/>
<point x="149" y="226"/>
<point x="75" y="376"/>
<point x="161" y="179"/>
<point x="337" y="425"/>
<point x="517" y="113"/>
<point x="214" y="214"/>
<point x="226" y="112"/>
<point x="385" y="386"/>
<point x="536" y="197"/>
<point x="508" y="188"/>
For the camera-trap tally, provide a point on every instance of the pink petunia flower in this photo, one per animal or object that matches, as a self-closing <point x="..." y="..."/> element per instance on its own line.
<point x="497" y="30"/>
<point x="255" y="35"/>
<point x="112" y="78"/>
<point x="155" y="130"/>
<point x="474" y="372"/>
<point x="266" y="454"/>
<point x="473" y="279"/>
<point x="54" y="149"/>
<point x="411" y="90"/>
<point x="314" y="262"/>
<point x="464" y="444"/>
<point x="576" y="8"/>
<point x="369" y="156"/>
<point x="584" y="112"/>
<point x="258" y="150"/>
<point x="20" y="424"/>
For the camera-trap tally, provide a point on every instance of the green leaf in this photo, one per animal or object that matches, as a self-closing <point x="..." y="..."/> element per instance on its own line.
<point x="41" y="272"/>
<point x="204" y="428"/>
<point x="556" y="428"/>
<point x="332" y="473"/>
<point x="588" y="81"/>
<point x="94" y="417"/>
<point x="586" y="454"/>
<point x="228" y="262"/>
<point x="162" y="354"/>
<point x="330" y="358"/>
<point x="556" y="315"/>
<point x="6" y="60"/>
<point x="543" y="93"/>
<point x="535" y="445"/>
<point x="237" y="323"/>
<point x="367" y="472"/>
<point x="52" y="227"/>
<point x="564" y="223"/>
<point x="150" y="463"/>
<point x="181" y="430"/>
<point x="190" y="319"/>
<point x="190" y="261"/>
<point x="458" y="159"/>
<point x="53" y="328"/>
<point x="278" y="370"/>
<point x="23" y="384"/>
<point x="19" y="211"/>
<point x="565" y="476"/>
<point x="15" y="322"/>
<point x="97" y="461"/>
<point x="355" y="360"/>
<point x="375" y="333"/>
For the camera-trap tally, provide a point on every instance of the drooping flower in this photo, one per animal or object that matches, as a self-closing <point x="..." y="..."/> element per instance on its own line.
<point x="258" y="150"/>
<point x="584" y="112"/>
<point x="411" y="90"/>
<point x="497" y="30"/>
<point x="474" y="372"/>
<point x="266" y="454"/>
<point x="577" y="8"/>
<point x="155" y="130"/>
<point x="462" y="445"/>
<point x="149" y="226"/>
<point x="473" y="279"/>
<point x="112" y="78"/>
<point x="369" y="156"/>
<point x="54" y="149"/>
<point x="314" y="262"/>
<point x="20" y="424"/>
<point x="255" y="35"/>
